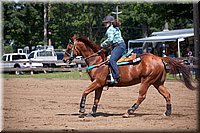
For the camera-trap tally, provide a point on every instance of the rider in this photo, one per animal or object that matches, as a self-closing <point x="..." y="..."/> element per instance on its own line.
<point x="115" y="40"/>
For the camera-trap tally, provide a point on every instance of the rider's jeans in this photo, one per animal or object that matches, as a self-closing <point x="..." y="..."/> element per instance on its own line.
<point x="116" y="53"/>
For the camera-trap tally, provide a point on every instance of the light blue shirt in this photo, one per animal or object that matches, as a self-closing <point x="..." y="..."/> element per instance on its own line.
<point x="113" y="36"/>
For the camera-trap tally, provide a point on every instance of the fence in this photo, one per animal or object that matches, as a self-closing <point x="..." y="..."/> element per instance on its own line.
<point x="191" y="62"/>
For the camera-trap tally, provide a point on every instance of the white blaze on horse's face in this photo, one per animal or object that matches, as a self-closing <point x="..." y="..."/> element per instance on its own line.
<point x="75" y="41"/>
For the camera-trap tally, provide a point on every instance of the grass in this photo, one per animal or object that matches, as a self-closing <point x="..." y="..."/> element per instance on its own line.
<point x="64" y="75"/>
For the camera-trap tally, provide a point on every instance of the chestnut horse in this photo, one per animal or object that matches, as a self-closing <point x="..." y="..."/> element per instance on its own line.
<point x="149" y="71"/>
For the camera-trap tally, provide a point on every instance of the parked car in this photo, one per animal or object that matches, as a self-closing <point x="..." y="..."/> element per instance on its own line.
<point x="18" y="60"/>
<point x="139" y="50"/>
<point x="60" y="55"/>
<point x="79" y="60"/>
<point x="47" y="57"/>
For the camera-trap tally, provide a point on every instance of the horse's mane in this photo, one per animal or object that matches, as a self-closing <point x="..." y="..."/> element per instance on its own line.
<point x="88" y="42"/>
<point x="91" y="44"/>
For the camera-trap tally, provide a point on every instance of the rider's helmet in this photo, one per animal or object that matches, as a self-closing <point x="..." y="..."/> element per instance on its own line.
<point x="108" y="19"/>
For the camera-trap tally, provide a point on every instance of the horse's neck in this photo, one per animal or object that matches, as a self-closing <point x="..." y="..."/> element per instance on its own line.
<point x="92" y="60"/>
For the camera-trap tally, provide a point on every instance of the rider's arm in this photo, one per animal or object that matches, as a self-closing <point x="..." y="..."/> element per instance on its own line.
<point x="109" y="37"/>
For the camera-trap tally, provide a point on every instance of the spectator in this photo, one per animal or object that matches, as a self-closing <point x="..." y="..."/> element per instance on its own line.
<point x="189" y="52"/>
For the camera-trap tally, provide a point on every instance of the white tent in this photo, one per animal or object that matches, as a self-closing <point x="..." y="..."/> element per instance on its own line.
<point x="163" y="36"/>
<point x="173" y="32"/>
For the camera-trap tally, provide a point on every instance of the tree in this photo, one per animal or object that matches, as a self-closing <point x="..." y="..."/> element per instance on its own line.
<point x="22" y="24"/>
<point x="23" y="21"/>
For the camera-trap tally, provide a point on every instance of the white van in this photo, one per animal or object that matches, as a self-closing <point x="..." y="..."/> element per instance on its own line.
<point x="45" y="56"/>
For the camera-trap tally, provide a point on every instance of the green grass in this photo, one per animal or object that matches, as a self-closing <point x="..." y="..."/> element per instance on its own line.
<point x="65" y="75"/>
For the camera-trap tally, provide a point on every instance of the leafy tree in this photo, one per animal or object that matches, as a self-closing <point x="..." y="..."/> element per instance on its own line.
<point x="24" y="22"/>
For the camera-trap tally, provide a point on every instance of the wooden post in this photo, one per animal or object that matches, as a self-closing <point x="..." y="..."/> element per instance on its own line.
<point x="80" y="71"/>
<point x="196" y="34"/>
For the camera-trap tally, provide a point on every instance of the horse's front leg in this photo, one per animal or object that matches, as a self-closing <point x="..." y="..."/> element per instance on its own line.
<point x="94" y="86"/>
<point x="98" y="93"/>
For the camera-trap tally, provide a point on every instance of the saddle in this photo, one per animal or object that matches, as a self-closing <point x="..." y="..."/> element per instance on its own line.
<point x="125" y="58"/>
<point x="128" y="58"/>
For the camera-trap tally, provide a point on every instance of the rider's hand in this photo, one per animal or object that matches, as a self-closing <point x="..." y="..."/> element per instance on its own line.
<point x="103" y="45"/>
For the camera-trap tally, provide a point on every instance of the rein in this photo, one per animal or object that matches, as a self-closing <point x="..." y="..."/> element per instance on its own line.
<point x="74" y="47"/>
<point x="95" y="54"/>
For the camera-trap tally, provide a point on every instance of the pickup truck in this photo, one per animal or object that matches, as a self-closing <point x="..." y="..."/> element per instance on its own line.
<point x="47" y="57"/>
<point x="18" y="60"/>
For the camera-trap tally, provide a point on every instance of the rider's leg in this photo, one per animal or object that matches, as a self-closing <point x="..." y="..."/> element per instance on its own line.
<point x="117" y="52"/>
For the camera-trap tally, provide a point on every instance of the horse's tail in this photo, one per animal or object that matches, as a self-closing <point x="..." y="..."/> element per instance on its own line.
<point x="177" y="66"/>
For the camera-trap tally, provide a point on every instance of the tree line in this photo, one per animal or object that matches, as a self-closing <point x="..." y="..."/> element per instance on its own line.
<point x="23" y="22"/>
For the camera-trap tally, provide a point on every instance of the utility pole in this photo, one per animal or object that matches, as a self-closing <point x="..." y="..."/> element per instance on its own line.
<point x="48" y="14"/>
<point x="45" y="24"/>
<point x="196" y="34"/>
<point x="117" y="13"/>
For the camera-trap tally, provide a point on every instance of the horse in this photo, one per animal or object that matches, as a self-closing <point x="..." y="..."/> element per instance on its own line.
<point x="150" y="70"/>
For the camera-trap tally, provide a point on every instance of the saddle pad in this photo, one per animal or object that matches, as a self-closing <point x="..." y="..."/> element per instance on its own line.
<point x="129" y="62"/>
<point x="125" y="58"/>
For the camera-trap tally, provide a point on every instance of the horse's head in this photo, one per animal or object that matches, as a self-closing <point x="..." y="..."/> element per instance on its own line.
<point x="81" y="46"/>
<point x="72" y="49"/>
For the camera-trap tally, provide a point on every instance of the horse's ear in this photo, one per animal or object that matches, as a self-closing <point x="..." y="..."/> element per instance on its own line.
<point x="75" y="36"/>
<point x="70" y="41"/>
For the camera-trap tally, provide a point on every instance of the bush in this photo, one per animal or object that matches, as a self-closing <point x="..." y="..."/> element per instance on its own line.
<point x="8" y="49"/>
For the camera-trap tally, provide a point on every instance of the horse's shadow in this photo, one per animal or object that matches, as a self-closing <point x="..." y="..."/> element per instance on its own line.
<point x="102" y="114"/>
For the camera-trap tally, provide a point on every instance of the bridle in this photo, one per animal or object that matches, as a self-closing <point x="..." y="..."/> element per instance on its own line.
<point x="71" y="57"/>
<point x="88" y="57"/>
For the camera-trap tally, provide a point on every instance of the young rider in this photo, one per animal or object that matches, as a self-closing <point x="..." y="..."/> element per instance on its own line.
<point x="115" y="40"/>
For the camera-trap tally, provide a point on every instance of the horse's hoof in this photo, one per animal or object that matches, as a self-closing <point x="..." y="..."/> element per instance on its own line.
<point x="126" y="115"/>
<point x="90" y="115"/>
<point x="81" y="116"/>
<point x="130" y="112"/>
<point x="167" y="113"/>
<point x="82" y="110"/>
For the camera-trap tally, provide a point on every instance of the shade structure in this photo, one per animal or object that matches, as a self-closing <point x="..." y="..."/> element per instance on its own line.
<point x="166" y="36"/>
<point x="161" y="38"/>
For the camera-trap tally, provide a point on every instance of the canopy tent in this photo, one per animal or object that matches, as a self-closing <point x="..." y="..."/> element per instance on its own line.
<point x="173" y="32"/>
<point x="164" y="36"/>
<point x="161" y="38"/>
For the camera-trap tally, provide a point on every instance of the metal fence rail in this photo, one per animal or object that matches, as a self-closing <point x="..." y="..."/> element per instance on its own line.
<point x="66" y="67"/>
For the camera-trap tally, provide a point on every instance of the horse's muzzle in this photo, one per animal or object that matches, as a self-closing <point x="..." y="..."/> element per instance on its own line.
<point x="68" y="60"/>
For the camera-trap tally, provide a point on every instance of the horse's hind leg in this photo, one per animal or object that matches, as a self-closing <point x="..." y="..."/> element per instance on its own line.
<point x="142" y="95"/>
<point x="165" y="93"/>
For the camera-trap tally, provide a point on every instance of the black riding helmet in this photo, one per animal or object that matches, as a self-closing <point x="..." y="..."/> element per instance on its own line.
<point x="108" y="19"/>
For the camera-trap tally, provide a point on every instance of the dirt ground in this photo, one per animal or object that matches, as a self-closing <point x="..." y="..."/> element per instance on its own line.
<point x="53" y="104"/>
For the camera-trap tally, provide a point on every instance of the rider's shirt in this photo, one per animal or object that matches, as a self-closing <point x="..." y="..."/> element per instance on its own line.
<point x="113" y="36"/>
